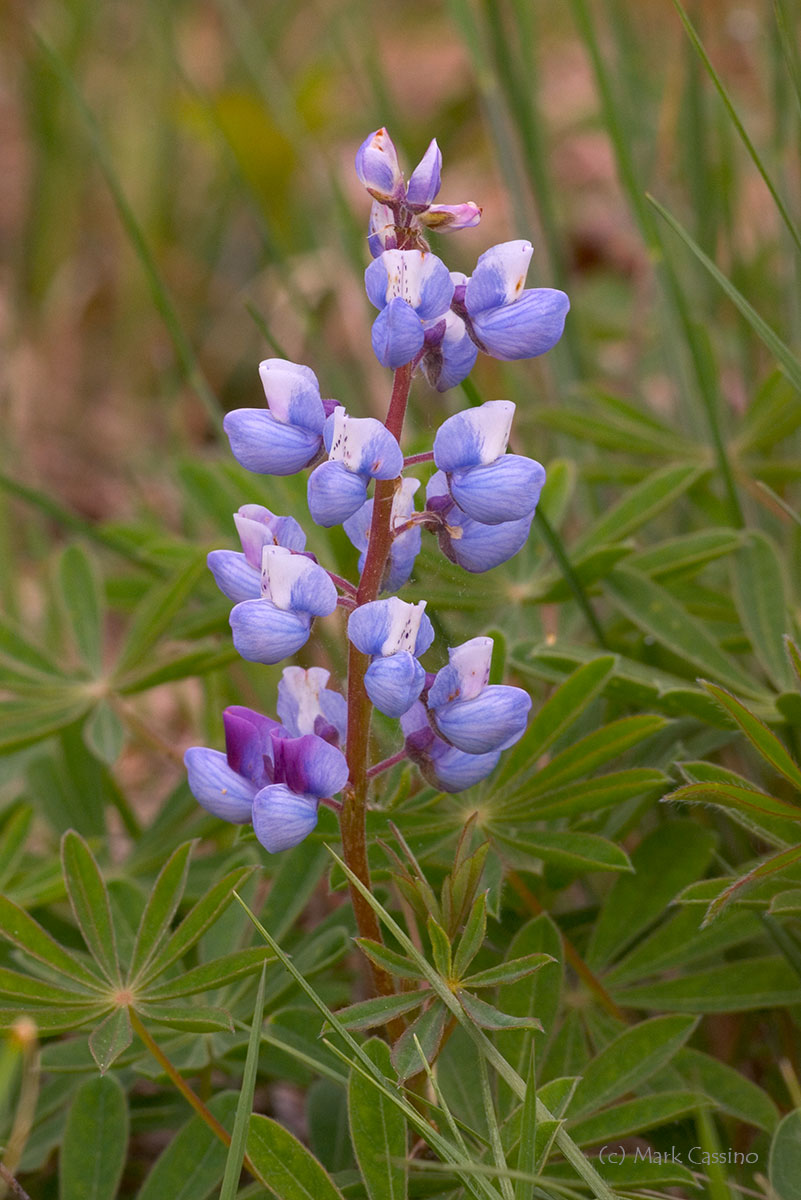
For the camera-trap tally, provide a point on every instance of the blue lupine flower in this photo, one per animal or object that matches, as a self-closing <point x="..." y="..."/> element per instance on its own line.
<point x="359" y="449"/>
<point x="238" y="576"/>
<point x="305" y="770"/>
<point x="394" y="634"/>
<point x="468" y="543"/>
<point x="288" y="435"/>
<point x="306" y="705"/>
<point x="488" y="484"/>
<point x="507" y="320"/>
<point x="405" y="545"/>
<point x="450" y="353"/>
<point x="412" y="288"/>
<point x="441" y="765"/>
<point x="266" y="776"/>
<point x="294" y="589"/>
<point x="409" y="206"/>
<point x="470" y="713"/>
<point x="226" y="784"/>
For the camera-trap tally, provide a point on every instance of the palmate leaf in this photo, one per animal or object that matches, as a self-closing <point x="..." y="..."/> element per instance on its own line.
<point x="161" y="907"/>
<point x="17" y="927"/>
<point x="574" y="799"/>
<point x="748" y="983"/>
<point x="419" y="1041"/>
<point x="390" y="960"/>
<point x="215" y="974"/>
<point x="378" y="1130"/>
<point x="192" y="1165"/>
<point x="81" y="595"/>
<point x="570" y="852"/>
<point x="658" y="491"/>
<point x="95" y="1141"/>
<point x="595" y="750"/>
<point x="194" y="1018"/>
<point x="635" y="1116"/>
<point x="111" y="1038"/>
<point x="294" y="1173"/>
<point x="760" y="594"/>
<point x="770" y="866"/>
<point x="758" y="734"/>
<point x="90" y="904"/>
<point x="367" y="1014"/>
<point x="508" y="972"/>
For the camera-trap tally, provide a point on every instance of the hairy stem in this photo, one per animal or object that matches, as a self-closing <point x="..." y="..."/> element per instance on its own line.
<point x="352" y="819"/>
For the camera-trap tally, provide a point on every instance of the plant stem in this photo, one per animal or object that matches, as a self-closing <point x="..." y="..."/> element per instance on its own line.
<point x="186" y="1091"/>
<point x="344" y="585"/>
<point x="425" y="456"/>
<point x="352" y="819"/>
<point x="11" y="1182"/>
<point x="386" y="763"/>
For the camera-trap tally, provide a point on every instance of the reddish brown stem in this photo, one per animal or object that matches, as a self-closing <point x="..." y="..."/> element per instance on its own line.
<point x="352" y="818"/>
<point x="412" y="459"/>
<point x="386" y="763"/>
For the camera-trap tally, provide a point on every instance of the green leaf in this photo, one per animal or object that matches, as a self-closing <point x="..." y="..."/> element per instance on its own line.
<point x="509" y="971"/>
<point x="441" y="948"/>
<point x="244" y="1107"/>
<point x="489" y="1017"/>
<point x="729" y="1088"/>
<point x="774" y="343"/>
<point x="111" y="1038"/>
<point x="678" y="941"/>
<point x="472" y="938"/>
<point x="742" y="985"/>
<point x="90" y="904"/>
<point x="162" y="904"/>
<point x="633" y="1116"/>
<point x="15" y="986"/>
<point x="23" y="657"/>
<point x="758" y="734"/>
<point x="769" y="866"/>
<point x="655" y="611"/>
<point x="155" y="613"/>
<point x="658" y="491"/>
<point x="104" y="733"/>
<point x="568" y="851"/>
<point x="95" y="1142"/>
<point x="595" y="750"/>
<point x="424" y="1034"/>
<point x="24" y="724"/>
<point x="538" y="996"/>
<point x="17" y="927"/>
<point x="53" y="1020"/>
<point x="16" y="827"/>
<point x="196" y="922"/>
<point x="743" y="799"/>
<point x="585" y="796"/>
<point x="760" y="594"/>
<point x="192" y="1165"/>
<point x="629" y="1060"/>
<point x="215" y="974"/>
<point x="79" y="581"/>
<point x="191" y="1018"/>
<point x="378" y="1130"/>
<point x="527" y="1152"/>
<point x="557" y="714"/>
<point x="366" y="1014"/>
<point x="185" y="666"/>
<point x="390" y="960"/>
<point x="292" y="1171"/>
<point x="685" y="554"/>
<point x="668" y="859"/>
<point x="784" y="1164"/>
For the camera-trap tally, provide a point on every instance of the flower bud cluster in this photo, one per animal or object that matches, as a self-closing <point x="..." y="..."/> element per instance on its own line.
<point x="479" y="503"/>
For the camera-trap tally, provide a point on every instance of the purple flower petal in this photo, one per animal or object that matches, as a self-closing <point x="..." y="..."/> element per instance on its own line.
<point x="474" y="437"/>
<point x="282" y="819"/>
<point x="452" y="359"/>
<point x="456" y="771"/>
<point x="394" y="683"/>
<point x="303" y="697"/>
<point x="448" y="218"/>
<point x="310" y="765"/>
<point x="293" y="394"/>
<point x="424" y="183"/>
<point x="218" y="788"/>
<point x="266" y="634"/>
<point x="248" y="742"/>
<point x="505" y="490"/>
<point x="382" y="234"/>
<point x="234" y="575"/>
<point x="525" y="329"/>
<point x="377" y="167"/>
<point x="262" y="444"/>
<point x="258" y="527"/>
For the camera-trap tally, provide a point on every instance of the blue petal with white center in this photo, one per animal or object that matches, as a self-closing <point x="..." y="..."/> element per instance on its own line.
<point x="505" y="490"/>
<point x="306" y="704"/>
<point x="217" y="787"/>
<point x="296" y="584"/>
<point x="491" y="721"/>
<point x="292" y="393"/>
<point x="499" y="277"/>
<point x="363" y="445"/>
<point x="394" y="683"/>
<point x="405" y="542"/>
<point x="385" y="627"/>
<point x="474" y="437"/>
<point x="258" y="527"/>
<point x="466" y="675"/>
<point x="473" y="546"/>
<point x="281" y="818"/>
<point x="449" y="359"/>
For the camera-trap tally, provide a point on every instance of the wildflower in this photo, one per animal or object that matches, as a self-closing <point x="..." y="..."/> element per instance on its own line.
<point x="394" y="634"/>
<point x="473" y="546"/>
<point x="238" y="576"/>
<point x="266" y="777"/>
<point x="294" y="589"/>
<point x="405" y="543"/>
<point x="359" y="449"/>
<point x="449" y="353"/>
<point x="412" y="289"/>
<point x="507" y="320"/>
<point x="441" y="765"/>
<point x="488" y="484"/>
<point x="469" y="712"/>
<point x="288" y="435"/>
